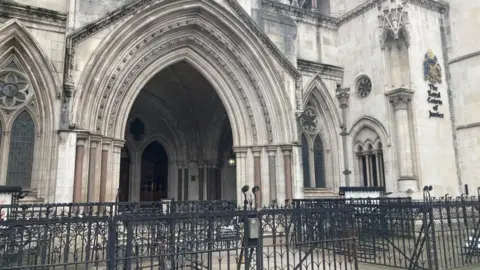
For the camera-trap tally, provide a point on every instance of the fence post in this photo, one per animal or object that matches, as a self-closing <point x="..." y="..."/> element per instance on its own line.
<point x="111" y="245"/>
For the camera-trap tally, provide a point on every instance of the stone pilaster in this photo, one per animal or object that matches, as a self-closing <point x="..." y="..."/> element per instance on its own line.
<point x="104" y="170"/>
<point x="257" y="176"/>
<point x="201" y="182"/>
<point x="77" y="181"/>
<point x="240" y="155"/>
<point x="180" y="183"/>
<point x="400" y="100"/>
<point x="92" y="195"/>
<point x="272" y="152"/>
<point x="343" y="96"/>
<point x="287" y="158"/>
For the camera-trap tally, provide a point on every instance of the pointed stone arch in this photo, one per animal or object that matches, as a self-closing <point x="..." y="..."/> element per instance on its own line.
<point x="317" y="95"/>
<point x="206" y="35"/>
<point x="21" y="54"/>
<point x="372" y="123"/>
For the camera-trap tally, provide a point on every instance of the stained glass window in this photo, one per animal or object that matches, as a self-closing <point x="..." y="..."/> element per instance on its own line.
<point x="20" y="159"/>
<point x="306" y="167"/>
<point x="319" y="159"/>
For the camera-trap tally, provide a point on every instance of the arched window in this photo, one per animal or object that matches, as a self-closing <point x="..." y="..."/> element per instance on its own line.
<point x="319" y="163"/>
<point x="20" y="159"/>
<point x="313" y="177"/>
<point x="305" y="159"/>
<point x="370" y="165"/>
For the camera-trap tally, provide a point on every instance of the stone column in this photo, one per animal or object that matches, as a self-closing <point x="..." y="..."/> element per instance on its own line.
<point x="287" y="157"/>
<point x="343" y="95"/>
<point x="201" y="182"/>
<point x="272" y="177"/>
<point x="400" y="100"/>
<point x="240" y="155"/>
<point x="257" y="176"/>
<point x="77" y="180"/>
<point x="376" y="154"/>
<point x="92" y="187"/>
<point x="185" y="183"/>
<point x="180" y="183"/>
<point x="360" y="169"/>
<point x="104" y="171"/>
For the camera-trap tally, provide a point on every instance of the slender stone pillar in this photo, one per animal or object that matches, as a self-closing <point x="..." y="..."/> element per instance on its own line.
<point x="257" y="176"/>
<point x="185" y="183"/>
<point x="287" y="157"/>
<point x="240" y="154"/>
<point x="77" y="181"/>
<point x="104" y="171"/>
<point x="92" y="187"/>
<point x="272" y="177"/>
<point x="343" y="95"/>
<point x="180" y="183"/>
<point x="400" y="99"/>
<point x="376" y="154"/>
<point x="201" y="182"/>
<point x="360" y="169"/>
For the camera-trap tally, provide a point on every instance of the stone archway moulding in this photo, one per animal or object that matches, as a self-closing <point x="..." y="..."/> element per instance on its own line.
<point x="198" y="35"/>
<point x="375" y="125"/>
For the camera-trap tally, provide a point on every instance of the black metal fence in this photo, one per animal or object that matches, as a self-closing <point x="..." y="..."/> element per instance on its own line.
<point x="307" y="234"/>
<point x="177" y="235"/>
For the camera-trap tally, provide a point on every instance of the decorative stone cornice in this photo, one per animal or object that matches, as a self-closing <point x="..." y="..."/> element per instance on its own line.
<point x="300" y="13"/>
<point x="393" y="21"/>
<point x="400" y="98"/>
<point x="325" y="20"/>
<point x="11" y="10"/>
<point x="343" y="95"/>
<point x="319" y="68"/>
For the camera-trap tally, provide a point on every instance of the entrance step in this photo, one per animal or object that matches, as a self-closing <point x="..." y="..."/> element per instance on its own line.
<point x="315" y="193"/>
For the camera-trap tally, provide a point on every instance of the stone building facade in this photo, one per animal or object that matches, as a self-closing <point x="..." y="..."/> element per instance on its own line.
<point x="138" y="100"/>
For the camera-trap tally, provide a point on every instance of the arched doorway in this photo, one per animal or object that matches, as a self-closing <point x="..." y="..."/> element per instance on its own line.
<point x="181" y="138"/>
<point x="154" y="174"/>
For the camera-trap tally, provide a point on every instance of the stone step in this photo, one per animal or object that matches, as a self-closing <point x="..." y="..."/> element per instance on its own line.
<point x="315" y="193"/>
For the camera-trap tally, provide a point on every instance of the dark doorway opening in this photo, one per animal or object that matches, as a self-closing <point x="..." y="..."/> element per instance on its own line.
<point x="125" y="163"/>
<point x="154" y="175"/>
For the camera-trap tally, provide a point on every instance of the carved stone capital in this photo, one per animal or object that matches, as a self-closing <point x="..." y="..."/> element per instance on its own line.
<point x="68" y="88"/>
<point x="271" y="150"/>
<point x="343" y="95"/>
<point x="400" y="98"/>
<point x="240" y="149"/>
<point x="287" y="150"/>
<point x="256" y="150"/>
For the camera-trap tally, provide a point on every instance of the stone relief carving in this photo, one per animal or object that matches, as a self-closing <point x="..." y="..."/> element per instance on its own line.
<point x="14" y="89"/>
<point x="393" y="21"/>
<point x="161" y="48"/>
<point x="342" y="94"/>
<point x="432" y="71"/>
<point x="364" y="86"/>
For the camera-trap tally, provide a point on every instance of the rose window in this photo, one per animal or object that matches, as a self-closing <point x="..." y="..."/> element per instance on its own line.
<point x="364" y="86"/>
<point x="14" y="89"/>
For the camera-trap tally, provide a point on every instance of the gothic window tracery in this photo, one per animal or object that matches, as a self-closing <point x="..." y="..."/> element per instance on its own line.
<point x="313" y="151"/>
<point x="20" y="159"/>
<point x="14" y="89"/>
<point x="370" y="162"/>
<point x="364" y="86"/>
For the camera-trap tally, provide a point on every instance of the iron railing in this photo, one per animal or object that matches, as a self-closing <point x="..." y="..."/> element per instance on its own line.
<point x="435" y="233"/>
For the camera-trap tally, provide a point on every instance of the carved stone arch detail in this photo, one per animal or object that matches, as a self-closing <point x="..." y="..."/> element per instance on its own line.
<point x="372" y="123"/>
<point x="317" y="88"/>
<point x="261" y="83"/>
<point x="32" y="114"/>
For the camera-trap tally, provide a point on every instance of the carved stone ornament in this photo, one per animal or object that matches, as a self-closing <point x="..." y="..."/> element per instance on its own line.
<point x="432" y="71"/>
<point x="393" y="21"/>
<point x="14" y="89"/>
<point x="364" y="86"/>
<point x="400" y="100"/>
<point x="343" y="94"/>
<point x="309" y="121"/>
<point x="165" y="46"/>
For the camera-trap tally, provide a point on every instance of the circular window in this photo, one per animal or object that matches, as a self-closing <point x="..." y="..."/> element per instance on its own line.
<point x="364" y="86"/>
<point x="14" y="89"/>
